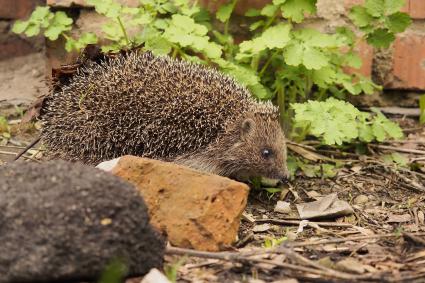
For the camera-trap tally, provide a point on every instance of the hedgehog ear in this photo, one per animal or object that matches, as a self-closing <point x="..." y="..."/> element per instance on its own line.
<point x="247" y="127"/>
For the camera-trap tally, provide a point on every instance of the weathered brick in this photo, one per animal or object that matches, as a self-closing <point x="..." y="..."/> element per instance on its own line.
<point x="417" y="9"/>
<point x="17" y="9"/>
<point x="14" y="47"/>
<point x="409" y="62"/>
<point x="69" y="3"/>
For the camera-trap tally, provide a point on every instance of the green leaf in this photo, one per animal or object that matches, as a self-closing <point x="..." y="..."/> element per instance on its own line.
<point x="40" y="13"/>
<point x="20" y="26"/>
<point x="376" y="8"/>
<point x="398" y="22"/>
<point x="314" y="59"/>
<point x="53" y="32"/>
<point x="158" y="45"/>
<point x="294" y="54"/>
<point x="224" y="12"/>
<point x="295" y="9"/>
<point x="256" y="25"/>
<point x="252" y="13"/>
<point x="353" y="60"/>
<point x="212" y="50"/>
<point x="383" y="127"/>
<point x="269" y="10"/>
<point x="32" y="30"/>
<point x="360" y="16"/>
<point x="276" y="36"/>
<point x="393" y="6"/>
<point x="380" y="38"/>
<point x="88" y="38"/>
<point x="324" y="77"/>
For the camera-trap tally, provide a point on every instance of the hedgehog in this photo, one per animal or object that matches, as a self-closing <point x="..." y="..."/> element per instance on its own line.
<point x="167" y="109"/>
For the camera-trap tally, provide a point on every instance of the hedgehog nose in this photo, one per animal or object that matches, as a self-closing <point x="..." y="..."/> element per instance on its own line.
<point x="284" y="175"/>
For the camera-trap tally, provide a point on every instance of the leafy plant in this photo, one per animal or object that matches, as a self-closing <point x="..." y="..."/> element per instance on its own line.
<point x="335" y="122"/>
<point x="273" y="242"/>
<point x="396" y="159"/>
<point x="114" y="272"/>
<point x="52" y="25"/>
<point x="4" y="128"/>
<point x="380" y="20"/>
<point x="324" y="170"/>
<point x="282" y="61"/>
<point x="171" y="269"/>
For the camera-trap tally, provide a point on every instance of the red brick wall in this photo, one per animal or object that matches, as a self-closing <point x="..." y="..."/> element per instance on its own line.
<point x="12" y="45"/>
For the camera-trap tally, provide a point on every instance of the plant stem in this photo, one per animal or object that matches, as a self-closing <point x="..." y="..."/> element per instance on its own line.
<point x="226" y="24"/>
<point x="255" y="61"/>
<point x="264" y="68"/>
<point x="271" y="20"/>
<point x="175" y="52"/>
<point x="123" y="30"/>
<point x="281" y="104"/>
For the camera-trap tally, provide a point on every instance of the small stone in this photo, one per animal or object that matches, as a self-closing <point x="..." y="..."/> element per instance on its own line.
<point x="196" y="210"/>
<point x="361" y="199"/>
<point x="62" y="220"/>
<point x="282" y="207"/>
<point x="155" y="276"/>
<point x="261" y="228"/>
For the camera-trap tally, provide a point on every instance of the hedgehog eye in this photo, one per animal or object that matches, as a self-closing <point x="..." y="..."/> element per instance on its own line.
<point x="266" y="153"/>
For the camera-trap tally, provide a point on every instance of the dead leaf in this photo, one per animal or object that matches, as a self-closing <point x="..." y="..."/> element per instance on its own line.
<point x="282" y="207"/>
<point x="393" y="218"/>
<point x="327" y="207"/>
<point x="351" y="265"/>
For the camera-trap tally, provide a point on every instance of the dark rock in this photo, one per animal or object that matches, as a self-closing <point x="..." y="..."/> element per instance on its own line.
<point x="61" y="221"/>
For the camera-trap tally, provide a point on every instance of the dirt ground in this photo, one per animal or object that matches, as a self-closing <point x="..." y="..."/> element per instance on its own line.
<point x="382" y="241"/>
<point x="22" y="79"/>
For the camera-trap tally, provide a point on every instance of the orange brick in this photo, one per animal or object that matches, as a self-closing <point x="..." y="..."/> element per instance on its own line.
<point x="17" y="9"/>
<point x="417" y="9"/>
<point x="409" y="62"/>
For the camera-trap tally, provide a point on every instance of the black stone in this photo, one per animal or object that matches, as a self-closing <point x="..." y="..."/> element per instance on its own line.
<point x="54" y="224"/>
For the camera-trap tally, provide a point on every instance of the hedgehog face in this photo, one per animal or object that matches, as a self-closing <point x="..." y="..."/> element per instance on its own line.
<point x="259" y="151"/>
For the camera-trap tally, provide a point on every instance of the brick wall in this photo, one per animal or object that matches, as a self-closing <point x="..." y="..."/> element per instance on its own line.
<point x="403" y="66"/>
<point x="12" y="45"/>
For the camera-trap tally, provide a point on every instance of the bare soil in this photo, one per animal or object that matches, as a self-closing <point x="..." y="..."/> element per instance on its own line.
<point x="22" y="79"/>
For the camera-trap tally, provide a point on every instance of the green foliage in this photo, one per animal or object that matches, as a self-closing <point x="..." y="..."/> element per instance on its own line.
<point x="4" y="128"/>
<point x="170" y="270"/>
<point x="380" y="20"/>
<point x="335" y="122"/>
<point x="396" y="159"/>
<point x="114" y="272"/>
<point x="324" y="170"/>
<point x="282" y="61"/>
<point x="273" y="242"/>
